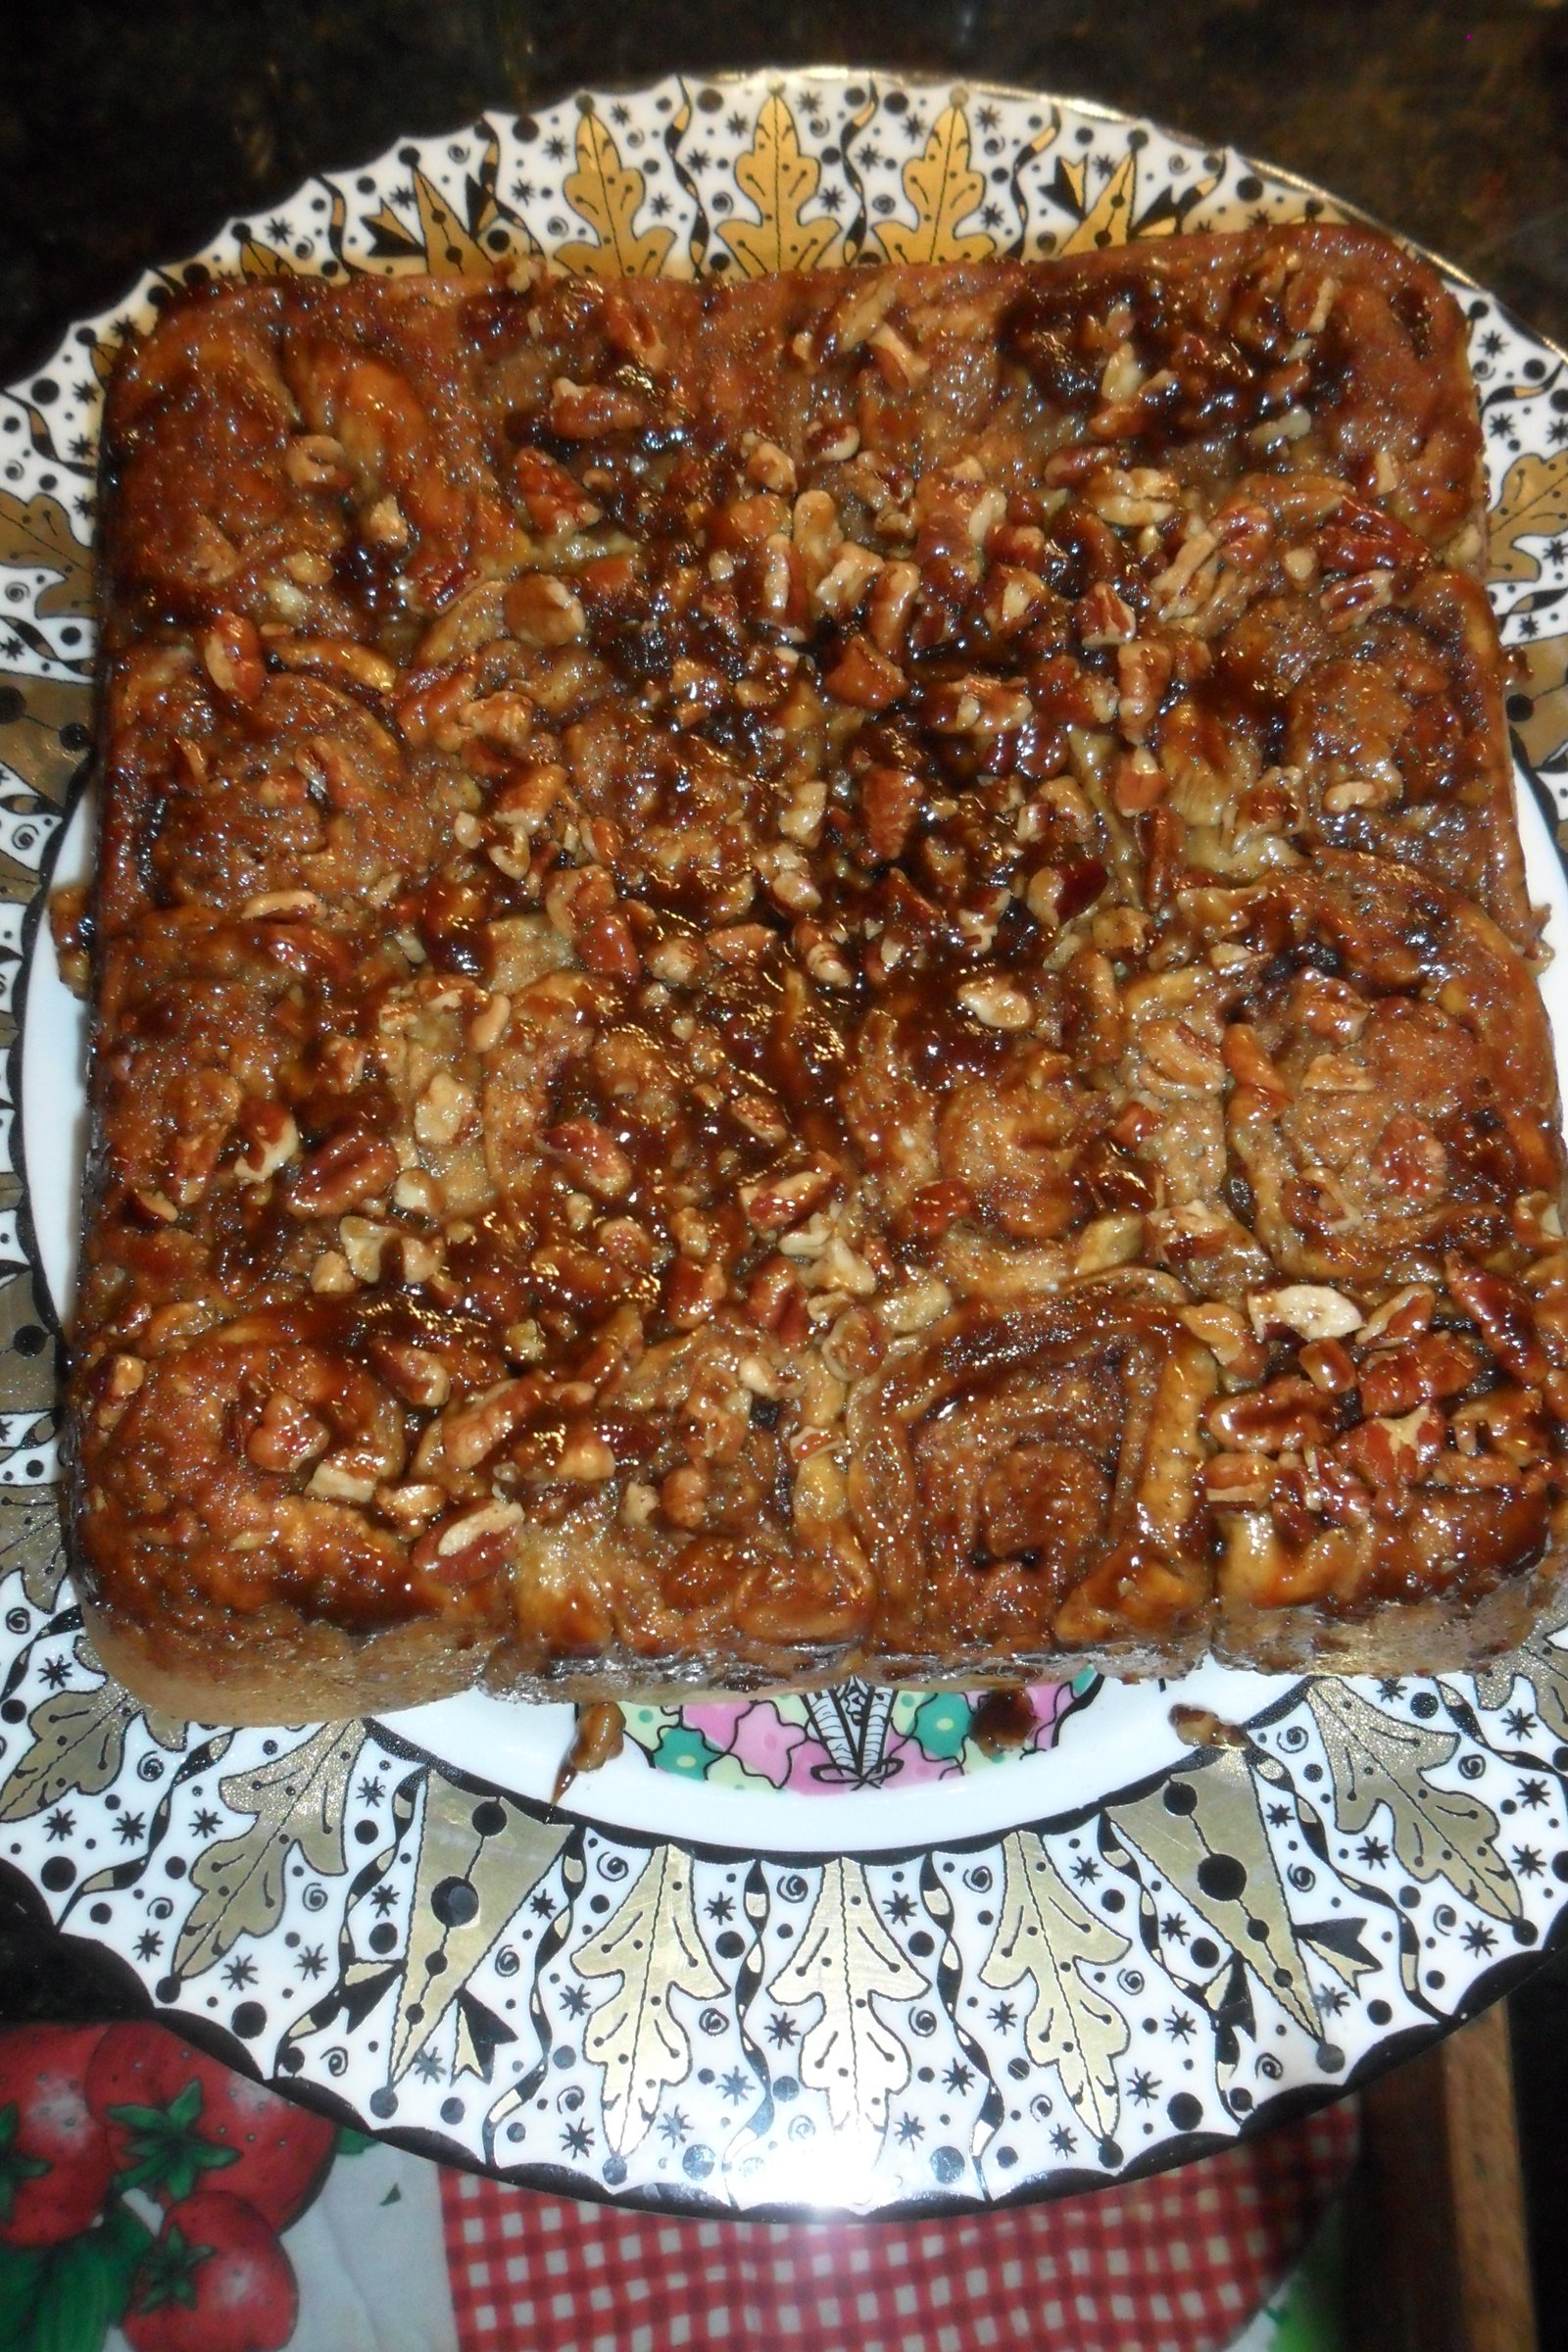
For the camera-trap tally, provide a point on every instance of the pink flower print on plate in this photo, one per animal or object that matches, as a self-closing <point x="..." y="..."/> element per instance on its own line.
<point x="751" y="1730"/>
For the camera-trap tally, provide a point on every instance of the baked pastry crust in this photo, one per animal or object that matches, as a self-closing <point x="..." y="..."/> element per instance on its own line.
<point x="815" y="975"/>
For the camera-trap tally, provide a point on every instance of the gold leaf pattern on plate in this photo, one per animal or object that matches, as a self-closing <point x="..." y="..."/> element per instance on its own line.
<point x="296" y="1800"/>
<point x="449" y="250"/>
<point x="780" y="179"/>
<point x="30" y="1539"/>
<point x="847" y="1960"/>
<point x="1532" y="503"/>
<point x="35" y="714"/>
<point x="1167" y="214"/>
<point x="79" y="1741"/>
<point x="944" y="191"/>
<point x="1048" y="1937"/>
<point x="653" y="1945"/>
<point x="257" y="261"/>
<point x="1108" y="220"/>
<point x="442" y="244"/>
<point x="486" y="209"/>
<point x="390" y="236"/>
<point x="1338" y="1944"/>
<point x="27" y="1382"/>
<point x="500" y="1871"/>
<point x="1544" y="1666"/>
<point x="1214" y="1850"/>
<point x="1544" y="731"/>
<point x="1378" y="1759"/>
<point x="608" y="193"/>
<point x="35" y="533"/>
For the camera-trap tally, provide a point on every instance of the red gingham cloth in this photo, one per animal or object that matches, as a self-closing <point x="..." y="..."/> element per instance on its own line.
<point x="1178" y="2262"/>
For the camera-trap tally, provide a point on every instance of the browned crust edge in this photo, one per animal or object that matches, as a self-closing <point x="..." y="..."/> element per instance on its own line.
<point x="317" y="1672"/>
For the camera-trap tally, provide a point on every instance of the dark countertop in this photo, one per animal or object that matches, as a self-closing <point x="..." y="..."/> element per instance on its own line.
<point x="128" y="135"/>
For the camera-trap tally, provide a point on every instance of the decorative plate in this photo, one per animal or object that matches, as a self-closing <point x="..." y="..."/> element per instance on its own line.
<point x="780" y="1954"/>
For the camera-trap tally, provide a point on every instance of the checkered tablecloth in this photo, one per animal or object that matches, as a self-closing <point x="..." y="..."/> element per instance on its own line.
<point x="149" y="2197"/>
<point x="1178" y="2262"/>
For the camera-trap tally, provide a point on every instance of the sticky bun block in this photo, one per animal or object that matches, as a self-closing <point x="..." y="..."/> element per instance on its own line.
<point x="821" y="974"/>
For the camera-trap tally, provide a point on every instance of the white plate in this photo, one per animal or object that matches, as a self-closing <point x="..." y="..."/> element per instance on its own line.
<point x="813" y="1952"/>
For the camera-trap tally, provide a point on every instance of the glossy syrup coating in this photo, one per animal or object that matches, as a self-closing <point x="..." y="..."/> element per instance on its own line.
<point x="828" y="971"/>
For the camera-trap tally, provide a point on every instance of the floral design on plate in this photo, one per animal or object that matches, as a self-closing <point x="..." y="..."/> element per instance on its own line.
<point x="953" y="1983"/>
<point x="857" y="1735"/>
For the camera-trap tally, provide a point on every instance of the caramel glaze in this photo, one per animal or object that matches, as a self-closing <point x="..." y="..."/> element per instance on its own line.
<point x="824" y="969"/>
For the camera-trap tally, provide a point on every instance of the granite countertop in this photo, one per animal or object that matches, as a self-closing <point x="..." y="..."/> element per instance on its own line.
<point x="128" y="135"/>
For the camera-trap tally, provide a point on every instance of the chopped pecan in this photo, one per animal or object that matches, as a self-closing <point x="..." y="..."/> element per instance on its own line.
<point x="1360" y="792"/>
<point x="584" y="1459"/>
<point x="1248" y="1064"/>
<point x="332" y="1276"/>
<point x="1224" y="1333"/>
<point x="418" y="1374"/>
<point x="1419" y="1371"/>
<point x="692" y="1293"/>
<point x="1348" y="602"/>
<point x="1311" y="1309"/>
<point x="1182" y="1056"/>
<point x="842" y="589"/>
<point x="350" y="1167"/>
<point x="1509" y="1420"/>
<point x="769" y="466"/>
<point x="1391" y="1455"/>
<point x="1287" y="1413"/>
<point x="317" y="462"/>
<point x="470" y="1547"/>
<point x="1329" y="1365"/>
<point x="232" y="650"/>
<point x="287" y="1435"/>
<point x="1133" y="496"/>
<point x="782" y="1201"/>
<point x="337" y="658"/>
<point x="334" y="1481"/>
<point x="554" y="499"/>
<point x="816" y="531"/>
<point x="1144" y="671"/>
<point x="1137" y="782"/>
<point x="1403" y="1316"/>
<point x="1328" y="1007"/>
<point x="445" y="1111"/>
<point x="1013" y="596"/>
<point x="821" y="955"/>
<point x="1505" y="1314"/>
<point x="1239" y="1481"/>
<point x="271" y="1141"/>
<point x="591" y="1156"/>
<point x="1103" y="617"/>
<point x="468" y="1434"/>
<point x="995" y="1002"/>
<point x="898" y="361"/>
<point x="1335" y="1074"/>
<point x="543" y="611"/>
<point x="891" y="800"/>
<point x="588" y="412"/>
<point x="832" y="441"/>
<point x="889" y="605"/>
<point x="683" y="1496"/>
<point x="489" y="1024"/>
